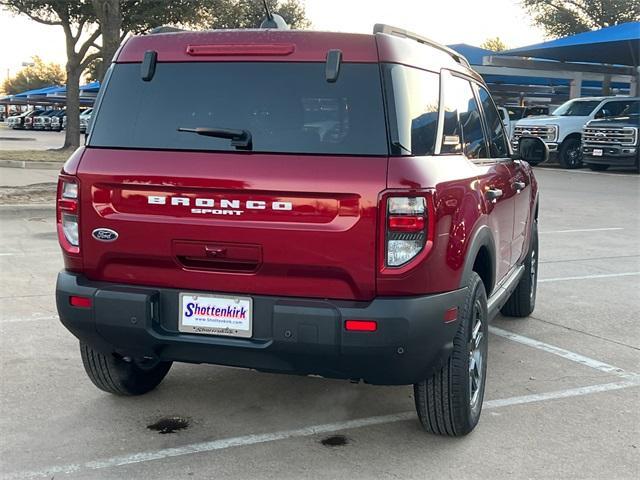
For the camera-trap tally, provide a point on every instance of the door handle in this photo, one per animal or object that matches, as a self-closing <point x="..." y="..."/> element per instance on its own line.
<point x="493" y="194"/>
<point x="215" y="252"/>
<point x="518" y="186"/>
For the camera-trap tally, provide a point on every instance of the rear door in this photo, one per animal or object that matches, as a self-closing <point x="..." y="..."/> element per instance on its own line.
<point x="516" y="183"/>
<point x="294" y="216"/>
<point x="463" y="132"/>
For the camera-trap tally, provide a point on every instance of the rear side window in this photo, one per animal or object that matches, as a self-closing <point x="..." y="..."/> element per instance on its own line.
<point x="413" y="97"/>
<point x="497" y="137"/>
<point x="462" y="130"/>
<point x="287" y="107"/>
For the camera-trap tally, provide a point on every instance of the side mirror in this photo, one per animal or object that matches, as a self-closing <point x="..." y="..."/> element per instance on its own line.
<point x="532" y="150"/>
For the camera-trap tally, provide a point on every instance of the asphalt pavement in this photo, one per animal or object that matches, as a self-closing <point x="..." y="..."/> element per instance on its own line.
<point x="561" y="402"/>
<point x="29" y="139"/>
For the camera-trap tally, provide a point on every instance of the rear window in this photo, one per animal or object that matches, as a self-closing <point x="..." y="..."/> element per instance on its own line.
<point x="287" y="107"/>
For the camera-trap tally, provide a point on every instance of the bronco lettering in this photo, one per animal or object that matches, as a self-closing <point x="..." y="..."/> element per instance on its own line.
<point x="226" y="206"/>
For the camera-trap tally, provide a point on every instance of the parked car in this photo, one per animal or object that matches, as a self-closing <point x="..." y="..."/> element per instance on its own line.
<point x="27" y="120"/>
<point x="330" y="217"/>
<point x="16" y="121"/>
<point x="563" y="129"/>
<point x="43" y="121"/>
<point x="57" y="120"/>
<point x="85" y="118"/>
<point x="510" y="114"/>
<point x="612" y="141"/>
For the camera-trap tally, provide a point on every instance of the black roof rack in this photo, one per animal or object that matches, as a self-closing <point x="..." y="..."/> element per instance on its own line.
<point x="400" y="32"/>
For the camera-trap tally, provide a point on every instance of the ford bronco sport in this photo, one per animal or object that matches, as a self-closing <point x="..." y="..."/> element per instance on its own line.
<point x="341" y="205"/>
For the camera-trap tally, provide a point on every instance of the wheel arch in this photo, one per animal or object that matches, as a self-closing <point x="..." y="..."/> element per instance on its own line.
<point x="481" y="258"/>
<point x="571" y="136"/>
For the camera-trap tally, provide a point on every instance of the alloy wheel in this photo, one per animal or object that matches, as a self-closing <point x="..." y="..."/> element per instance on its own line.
<point x="476" y="356"/>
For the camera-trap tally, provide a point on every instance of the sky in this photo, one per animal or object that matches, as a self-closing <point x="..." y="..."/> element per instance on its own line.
<point x="447" y="22"/>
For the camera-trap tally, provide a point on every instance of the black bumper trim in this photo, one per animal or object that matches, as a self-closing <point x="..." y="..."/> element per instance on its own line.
<point x="290" y="335"/>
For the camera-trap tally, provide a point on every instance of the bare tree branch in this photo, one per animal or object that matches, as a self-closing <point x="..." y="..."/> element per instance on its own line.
<point x="88" y="59"/>
<point x="89" y="42"/>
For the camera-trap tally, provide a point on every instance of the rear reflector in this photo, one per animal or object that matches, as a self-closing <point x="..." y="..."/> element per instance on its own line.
<point x="250" y="49"/>
<point x="361" y="325"/>
<point x="82" y="302"/>
<point x="451" y="315"/>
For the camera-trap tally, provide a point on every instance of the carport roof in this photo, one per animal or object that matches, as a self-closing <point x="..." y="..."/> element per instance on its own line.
<point x="37" y="91"/>
<point x="617" y="45"/>
<point x="472" y="54"/>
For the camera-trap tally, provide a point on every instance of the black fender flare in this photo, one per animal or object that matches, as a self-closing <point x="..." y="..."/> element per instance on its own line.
<point x="482" y="237"/>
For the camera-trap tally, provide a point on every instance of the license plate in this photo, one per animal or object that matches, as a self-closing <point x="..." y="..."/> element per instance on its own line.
<point x="597" y="152"/>
<point x="226" y="315"/>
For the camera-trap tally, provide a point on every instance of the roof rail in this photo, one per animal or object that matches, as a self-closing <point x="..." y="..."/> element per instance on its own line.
<point x="400" y="32"/>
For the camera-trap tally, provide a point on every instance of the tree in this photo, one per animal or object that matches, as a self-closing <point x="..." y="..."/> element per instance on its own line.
<point x="39" y="74"/>
<point x="559" y="18"/>
<point x="77" y="19"/>
<point x="87" y="21"/>
<point x="495" y="44"/>
<point x="118" y="18"/>
<point x="250" y="13"/>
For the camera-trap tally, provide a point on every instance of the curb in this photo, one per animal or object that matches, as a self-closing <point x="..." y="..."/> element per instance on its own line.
<point x="31" y="164"/>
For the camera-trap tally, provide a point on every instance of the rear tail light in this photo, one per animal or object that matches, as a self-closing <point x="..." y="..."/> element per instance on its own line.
<point x="67" y="215"/>
<point x="406" y="229"/>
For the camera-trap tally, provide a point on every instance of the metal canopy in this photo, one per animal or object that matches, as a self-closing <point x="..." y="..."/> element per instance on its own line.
<point x="51" y="95"/>
<point x="617" y="45"/>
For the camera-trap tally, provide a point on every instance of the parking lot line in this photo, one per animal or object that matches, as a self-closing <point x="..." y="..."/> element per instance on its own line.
<point x="27" y="319"/>
<point x="580" y="230"/>
<point x="30" y="253"/>
<point x="248" y="440"/>
<point x="587" y="277"/>
<point x="561" y="352"/>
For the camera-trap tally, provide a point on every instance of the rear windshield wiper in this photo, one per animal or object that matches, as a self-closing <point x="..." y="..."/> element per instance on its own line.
<point x="241" y="139"/>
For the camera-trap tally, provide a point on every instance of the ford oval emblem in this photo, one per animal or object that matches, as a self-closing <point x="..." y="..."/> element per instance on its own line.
<point x="104" y="234"/>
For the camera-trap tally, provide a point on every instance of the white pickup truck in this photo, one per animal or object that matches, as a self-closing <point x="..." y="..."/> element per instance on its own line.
<point x="562" y="130"/>
<point x="510" y="114"/>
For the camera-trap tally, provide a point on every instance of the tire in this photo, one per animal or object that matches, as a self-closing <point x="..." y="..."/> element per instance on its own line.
<point x="571" y="153"/>
<point x="450" y="402"/>
<point x="598" y="167"/>
<point x="522" y="301"/>
<point x="120" y="376"/>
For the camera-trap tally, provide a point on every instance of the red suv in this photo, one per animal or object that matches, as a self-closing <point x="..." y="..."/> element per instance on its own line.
<point x="301" y="202"/>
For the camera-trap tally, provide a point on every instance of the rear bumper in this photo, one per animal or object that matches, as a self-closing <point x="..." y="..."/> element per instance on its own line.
<point x="290" y="335"/>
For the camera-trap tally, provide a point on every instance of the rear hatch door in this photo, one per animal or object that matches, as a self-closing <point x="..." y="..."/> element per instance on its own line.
<point x="294" y="216"/>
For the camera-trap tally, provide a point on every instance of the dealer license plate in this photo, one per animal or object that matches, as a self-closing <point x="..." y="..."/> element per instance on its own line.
<point x="230" y="316"/>
<point x="597" y="152"/>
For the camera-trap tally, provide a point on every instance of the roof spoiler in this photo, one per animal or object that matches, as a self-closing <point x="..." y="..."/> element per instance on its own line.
<point x="400" y="32"/>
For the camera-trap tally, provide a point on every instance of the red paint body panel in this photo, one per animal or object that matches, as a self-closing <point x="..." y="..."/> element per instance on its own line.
<point x="452" y="180"/>
<point x="461" y="209"/>
<point x="324" y="247"/>
<point x="309" y="46"/>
